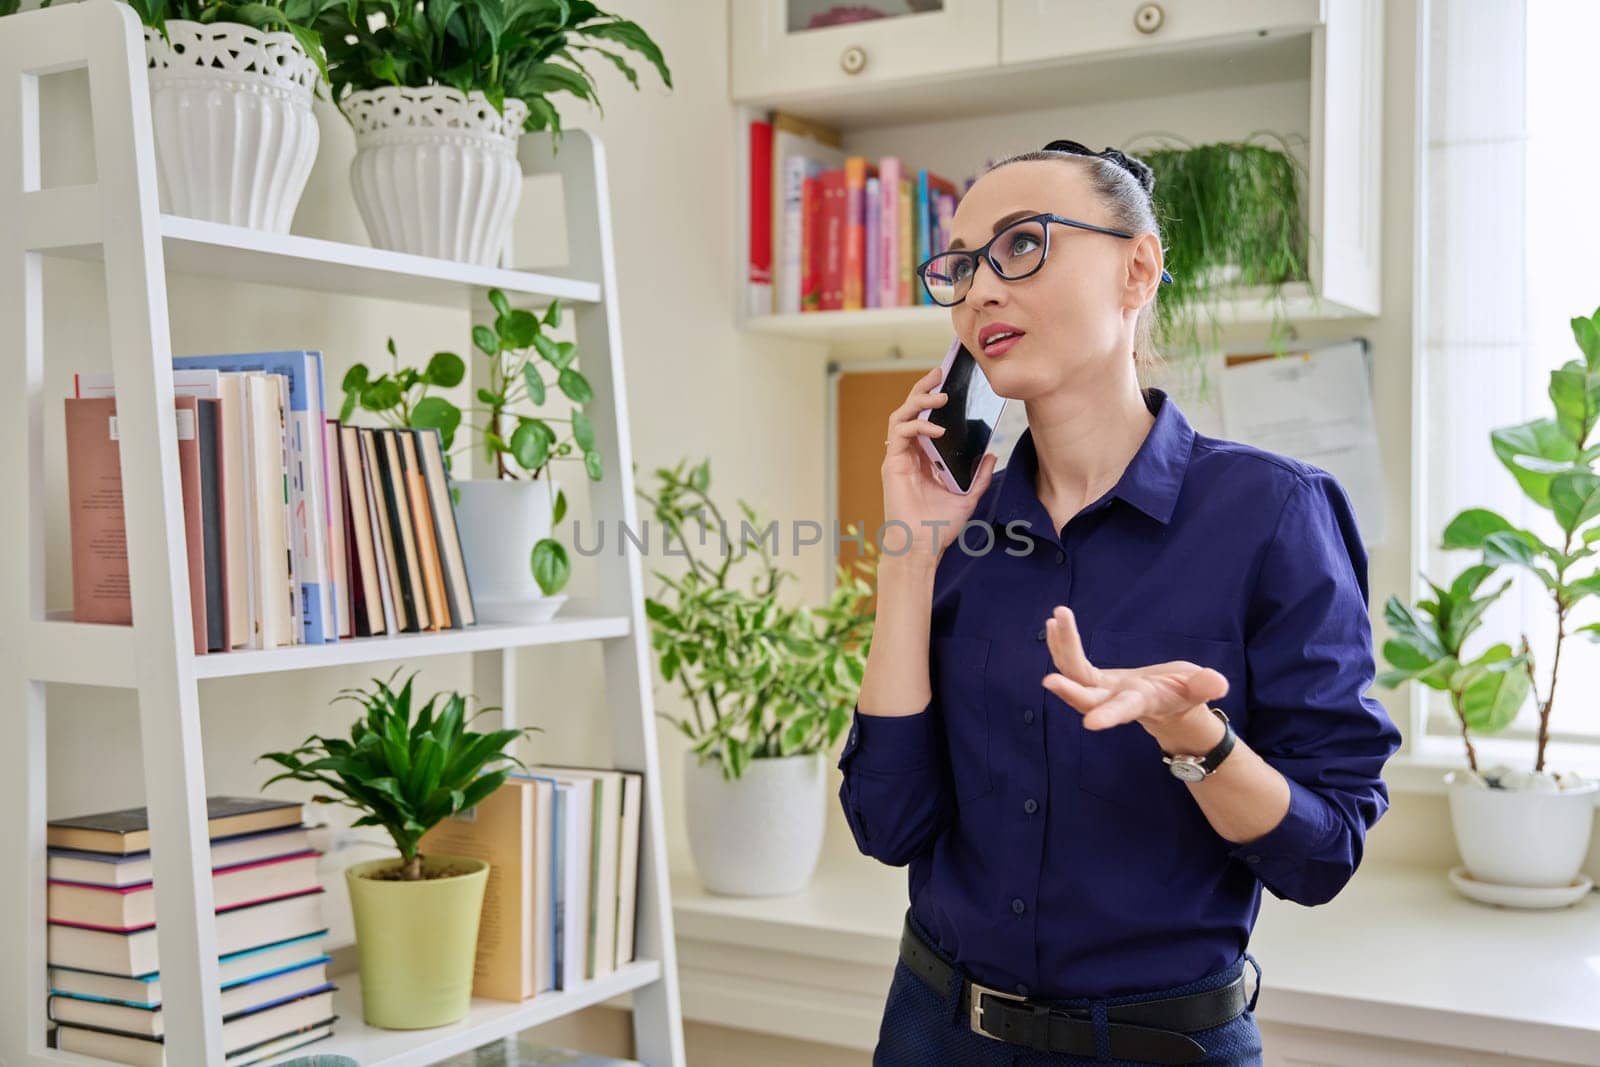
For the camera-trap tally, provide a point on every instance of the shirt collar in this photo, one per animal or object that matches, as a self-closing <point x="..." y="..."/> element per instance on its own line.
<point x="1151" y="482"/>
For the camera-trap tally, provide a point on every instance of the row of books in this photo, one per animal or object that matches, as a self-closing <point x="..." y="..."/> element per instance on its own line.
<point x="104" y="968"/>
<point x="563" y="848"/>
<point x="832" y="230"/>
<point x="299" y="530"/>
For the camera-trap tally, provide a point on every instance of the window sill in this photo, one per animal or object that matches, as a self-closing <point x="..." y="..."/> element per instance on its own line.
<point x="1397" y="955"/>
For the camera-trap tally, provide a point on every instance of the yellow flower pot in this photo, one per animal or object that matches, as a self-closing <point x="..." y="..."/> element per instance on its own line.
<point x="417" y="941"/>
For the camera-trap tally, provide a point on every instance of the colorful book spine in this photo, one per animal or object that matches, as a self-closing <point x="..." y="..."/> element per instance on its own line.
<point x="886" y="280"/>
<point x="853" y="283"/>
<point x="811" y="260"/>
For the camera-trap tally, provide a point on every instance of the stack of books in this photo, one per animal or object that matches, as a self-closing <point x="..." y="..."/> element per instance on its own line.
<point x="105" y="977"/>
<point x="563" y="850"/>
<point x="299" y="530"/>
<point x="832" y="231"/>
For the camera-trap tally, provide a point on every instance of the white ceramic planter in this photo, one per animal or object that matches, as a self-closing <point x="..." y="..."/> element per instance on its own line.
<point x="234" y="130"/>
<point x="436" y="170"/>
<point x="761" y="834"/>
<point x="1518" y="837"/>
<point x="500" y="521"/>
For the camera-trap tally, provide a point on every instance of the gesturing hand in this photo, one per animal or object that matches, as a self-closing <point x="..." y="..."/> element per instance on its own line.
<point x="1162" y="697"/>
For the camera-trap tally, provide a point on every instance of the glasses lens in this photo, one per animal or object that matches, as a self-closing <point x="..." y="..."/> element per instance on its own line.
<point x="948" y="277"/>
<point x="1018" y="251"/>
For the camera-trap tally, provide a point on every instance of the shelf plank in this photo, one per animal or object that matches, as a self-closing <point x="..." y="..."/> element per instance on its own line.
<point x="480" y="638"/>
<point x="240" y="254"/>
<point x="487" y="1020"/>
<point x="928" y="326"/>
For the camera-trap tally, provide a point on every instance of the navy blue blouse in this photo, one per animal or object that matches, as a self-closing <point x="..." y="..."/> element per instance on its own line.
<point x="1058" y="861"/>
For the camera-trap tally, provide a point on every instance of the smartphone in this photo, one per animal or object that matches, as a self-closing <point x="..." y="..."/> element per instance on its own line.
<point x="969" y="418"/>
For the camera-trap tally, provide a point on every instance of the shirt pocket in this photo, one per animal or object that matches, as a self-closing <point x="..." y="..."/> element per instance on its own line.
<point x="957" y="669"/>
<point x="1123" y="764"/>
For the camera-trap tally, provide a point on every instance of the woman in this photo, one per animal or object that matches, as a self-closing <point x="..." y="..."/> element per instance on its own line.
<point x="1096" y="740"/>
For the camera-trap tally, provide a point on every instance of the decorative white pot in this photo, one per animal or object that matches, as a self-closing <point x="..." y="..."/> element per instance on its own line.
<point x="436" y="170"/>
<point x="1521" y="837"/>
<point x="500" y="522"/>
<point x="235" y="134"/>
<point x="759" y="835"/>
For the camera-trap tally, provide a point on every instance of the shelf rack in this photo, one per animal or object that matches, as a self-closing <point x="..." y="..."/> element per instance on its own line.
<point x="116" y="221"/>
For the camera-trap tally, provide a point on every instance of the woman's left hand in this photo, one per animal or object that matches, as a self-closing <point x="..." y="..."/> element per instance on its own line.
<point x="1160" y="697"/>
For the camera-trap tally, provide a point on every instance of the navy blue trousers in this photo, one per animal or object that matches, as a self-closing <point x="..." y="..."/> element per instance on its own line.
<point x="922" y="1028"/>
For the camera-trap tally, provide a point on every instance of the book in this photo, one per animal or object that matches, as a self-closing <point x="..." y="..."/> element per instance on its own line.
<point x="146" y="1019"/>
<point x="832" y="238"/>
<point x="332" y="455"/>
<point x="144" y="1052"/>
<point x="628" y="865"/>
<point x="128" y="829"/>
<point x="458" y="590"/>
<point x="193" y="517"/>
<point x="120" y="869"/>
<point x="874" y="219"/>
<point x="240" y="1033"/>
<point x="133" y="907"/>
<point x="234" y="968"/>
<point x="266" y="502"/>
<point x="511" y="830"/>
<point x="903" y="230"/>
<point x="857" y="169"/>
<point x="368" y="619"/>
<point x="98" y="528"/>
<point x="302" y="372"/>
<point x="385" y="538"/>
<point x="817" y="148"/>
<point x="572" y="841"/>
<point x="886" y="282"/>
<point x="397" y="507"/>
<point x="213" y="519"/>
<point x="604" y="832"/>
<point x="422" y="524"/>
<point x="130" y="953"/>
<point x="758" y="291"/>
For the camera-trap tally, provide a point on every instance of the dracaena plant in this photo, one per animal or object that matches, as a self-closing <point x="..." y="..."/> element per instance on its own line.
<point x="762" y="678"/>
<point x="524" y="365"/>
<point x="506" y="49"/>
<point x="404" y="768"/>
<point x="1553" y="462"/>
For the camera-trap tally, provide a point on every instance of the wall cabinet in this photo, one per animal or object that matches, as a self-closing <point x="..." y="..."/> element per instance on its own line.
<point x="1035" y="30"/>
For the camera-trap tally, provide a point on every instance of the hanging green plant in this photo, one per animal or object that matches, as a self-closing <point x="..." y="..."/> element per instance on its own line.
<point x="1232" y="225"/>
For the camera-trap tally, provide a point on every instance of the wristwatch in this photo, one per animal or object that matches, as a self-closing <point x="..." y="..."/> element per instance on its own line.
<point x="1196" y="768"/>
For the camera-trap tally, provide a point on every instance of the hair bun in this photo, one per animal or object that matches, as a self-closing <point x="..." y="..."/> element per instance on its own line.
<point x="1137" y="167"/>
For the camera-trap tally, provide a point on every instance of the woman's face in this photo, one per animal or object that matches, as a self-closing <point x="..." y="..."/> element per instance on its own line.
<point x="1077" y="311"/>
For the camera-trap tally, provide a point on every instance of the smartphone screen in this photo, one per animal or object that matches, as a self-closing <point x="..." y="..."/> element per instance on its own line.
<point x="968" y="417"/>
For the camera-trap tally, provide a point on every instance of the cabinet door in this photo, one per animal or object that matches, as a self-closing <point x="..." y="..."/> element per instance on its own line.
<point x="1033" y="30"/>
<point x="787" y="47"/>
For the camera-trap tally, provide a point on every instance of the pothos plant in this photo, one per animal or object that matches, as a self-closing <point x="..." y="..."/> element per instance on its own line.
<point x="1553" y="462"/>
<point x="762" y="678"/>
<point x="523" y="365"/>
<point x="404" y="768"/>
<point x="506" y="49"/>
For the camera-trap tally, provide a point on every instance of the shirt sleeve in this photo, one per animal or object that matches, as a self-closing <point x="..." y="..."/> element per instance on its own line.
<point x="896" y="792"/>
<point x="1310" y="659"/>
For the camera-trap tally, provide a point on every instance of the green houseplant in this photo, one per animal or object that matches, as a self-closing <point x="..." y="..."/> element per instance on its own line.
<point x="501" y="517"/>
<point x="1516" y="828"/>
<point x="439" y="91"/>
<point x="769" y="685"/>
<point x="1231" y="221"/>
<point x="406" y="768"/>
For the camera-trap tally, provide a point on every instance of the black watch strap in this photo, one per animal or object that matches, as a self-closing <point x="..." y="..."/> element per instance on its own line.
<point x="1219" y="752"/>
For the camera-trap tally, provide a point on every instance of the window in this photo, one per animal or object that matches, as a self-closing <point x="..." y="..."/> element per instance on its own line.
<point x="1510" y="228"/>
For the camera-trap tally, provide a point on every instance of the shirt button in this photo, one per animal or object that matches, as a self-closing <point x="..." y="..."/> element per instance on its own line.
<point x="1027" y="715"/>
<point x="1061" y="557"/>
<point x="1040" y="635"/>
<point x="1017" y="905"/>
<point x="1022" y="989"/>
<point x="1252" y="858"/>
<point x="1030" y="805"/>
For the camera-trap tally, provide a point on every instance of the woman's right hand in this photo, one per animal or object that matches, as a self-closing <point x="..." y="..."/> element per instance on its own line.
<point x="912" y="491"/>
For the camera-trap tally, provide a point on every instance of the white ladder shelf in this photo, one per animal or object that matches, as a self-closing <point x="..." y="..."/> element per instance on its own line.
<point x="117" y="220"/>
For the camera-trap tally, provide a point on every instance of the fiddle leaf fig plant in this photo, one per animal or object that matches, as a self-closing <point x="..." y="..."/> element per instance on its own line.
<point x="404" y="768"/>
<point x="762" y="678"/>
<point x="524" y="366"/>
<point x="1553" y="461"/>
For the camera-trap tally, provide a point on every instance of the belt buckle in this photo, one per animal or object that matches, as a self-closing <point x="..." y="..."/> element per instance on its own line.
<point x="975" y="1007"/>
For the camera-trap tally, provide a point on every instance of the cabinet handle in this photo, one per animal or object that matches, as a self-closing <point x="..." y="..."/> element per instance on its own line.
<point x="1148" y="18"/>
<point x="853" y="60"/>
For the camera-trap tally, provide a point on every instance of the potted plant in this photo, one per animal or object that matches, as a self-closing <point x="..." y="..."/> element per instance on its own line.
<point x="1516" y="828"/>
<point x="407" y="769"/>
<point x="1232" y="225"/>
<point x="500" y="518"/>
<point x="769" y="688"/>
<point x="439" y="91"/>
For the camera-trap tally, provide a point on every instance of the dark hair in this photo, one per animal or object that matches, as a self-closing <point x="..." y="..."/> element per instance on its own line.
<point x="1126" y="186"/>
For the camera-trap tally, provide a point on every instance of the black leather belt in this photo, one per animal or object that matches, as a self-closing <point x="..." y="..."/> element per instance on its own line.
<point x="1150" y="1031"/>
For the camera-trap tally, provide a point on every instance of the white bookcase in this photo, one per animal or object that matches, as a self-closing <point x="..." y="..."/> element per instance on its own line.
<point x="116" y="220"/>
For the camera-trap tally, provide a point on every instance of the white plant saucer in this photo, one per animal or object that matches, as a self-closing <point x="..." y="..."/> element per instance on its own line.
<point x="1519" y="896"/>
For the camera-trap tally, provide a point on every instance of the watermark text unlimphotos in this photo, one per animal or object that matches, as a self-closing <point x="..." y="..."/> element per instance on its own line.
<point x="893" y="537"/>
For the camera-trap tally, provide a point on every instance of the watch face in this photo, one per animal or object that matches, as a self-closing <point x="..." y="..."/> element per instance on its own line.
<point x="1187" y="770"/>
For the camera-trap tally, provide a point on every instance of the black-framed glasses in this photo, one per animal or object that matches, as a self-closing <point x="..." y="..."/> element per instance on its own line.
<point x="1014" y="253"/>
